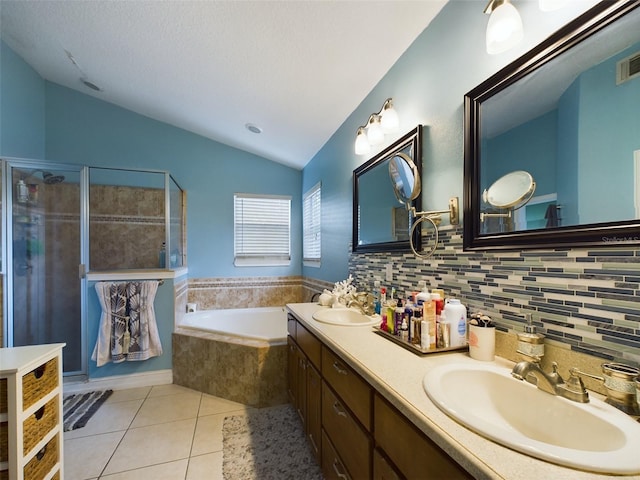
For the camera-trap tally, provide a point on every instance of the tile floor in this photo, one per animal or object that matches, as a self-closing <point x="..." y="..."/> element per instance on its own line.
<point x="164" y="432"/>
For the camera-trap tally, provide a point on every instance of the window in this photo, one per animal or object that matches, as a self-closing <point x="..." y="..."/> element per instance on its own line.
<point x="262" y="230"/>
<point x="311" y="231"/>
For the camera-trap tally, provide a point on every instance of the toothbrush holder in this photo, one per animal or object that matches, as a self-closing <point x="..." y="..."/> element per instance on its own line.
<point x="482" y="343"/>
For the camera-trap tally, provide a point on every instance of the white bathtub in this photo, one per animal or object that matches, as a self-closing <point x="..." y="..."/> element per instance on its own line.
<point x="266" y="323"/>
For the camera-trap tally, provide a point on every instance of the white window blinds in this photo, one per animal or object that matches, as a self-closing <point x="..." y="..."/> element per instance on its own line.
<point x="311" y="231"/>
<point x="262" y="230"/>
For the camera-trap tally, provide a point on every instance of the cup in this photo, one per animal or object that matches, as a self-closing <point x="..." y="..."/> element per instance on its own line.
<point x="482" y="343"/>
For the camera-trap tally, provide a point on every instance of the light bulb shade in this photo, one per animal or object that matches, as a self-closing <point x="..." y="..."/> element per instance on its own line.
<point x="550" y="5"/>
<point x="389" y="120"/>
<point x="362" y="142"/>
<point x="374" y="130"/>
<point x="504" y="29"/>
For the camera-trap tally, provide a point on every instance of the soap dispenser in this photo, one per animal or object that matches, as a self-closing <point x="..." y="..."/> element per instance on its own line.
<point x="531" y="343"/>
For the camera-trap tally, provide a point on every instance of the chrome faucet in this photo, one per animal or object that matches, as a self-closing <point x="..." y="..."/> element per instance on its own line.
<point x="363" y="302"/>
<point x="553" y="383"/>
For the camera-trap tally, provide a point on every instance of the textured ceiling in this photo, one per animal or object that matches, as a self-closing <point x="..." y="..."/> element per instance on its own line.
<point x="296" y="69"/>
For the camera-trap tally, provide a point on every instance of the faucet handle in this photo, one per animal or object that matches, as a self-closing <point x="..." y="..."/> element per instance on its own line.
<point x="574" y="387"/>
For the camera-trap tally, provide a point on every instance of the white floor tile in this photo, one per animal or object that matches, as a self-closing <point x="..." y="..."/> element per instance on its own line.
<point x="208" y="437"/>
<point x="139" y="393"/>
<point x="205" y="467"/>
<point x="152" y="445"/>
<point x="167" y="408"/>
<point x="86" y="457"/>
<point x="211" y="405"/>
<point x="165" y="471"/>
<point x="161" y="390"/>
<point x="110" y="417"/>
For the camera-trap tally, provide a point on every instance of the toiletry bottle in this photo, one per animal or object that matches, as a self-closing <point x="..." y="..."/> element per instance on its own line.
<point x="404" y="329"/>
<point x="391" y="310"/>
<point x="416" y="322"/>
<point x="425" y="341"/>
<point x="162" y="256"/>
<point x="376" y="297"/>
<point x="423" y="295"/>
<point x="398" y="316"/>
<point x="456" y="314"/>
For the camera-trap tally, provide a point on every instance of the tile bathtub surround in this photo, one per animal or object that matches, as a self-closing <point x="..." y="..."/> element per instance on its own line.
<point x="583" y="300"/>
<point x="250" y="292"/>
<point x="245" y="371"/>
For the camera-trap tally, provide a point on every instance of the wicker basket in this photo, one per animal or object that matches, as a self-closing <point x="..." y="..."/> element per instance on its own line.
<point x="4" y="400"/>
<point x="42" y="463"/>
<point x="38" y="382"/>
<point x="4" y="442"/>
<point x="4" y="474"/>
<point x="37" y="425"/>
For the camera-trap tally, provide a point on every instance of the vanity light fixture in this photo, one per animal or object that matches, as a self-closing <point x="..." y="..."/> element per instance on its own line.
<point x="379" y="124"/>
<point x="504" y="29"/>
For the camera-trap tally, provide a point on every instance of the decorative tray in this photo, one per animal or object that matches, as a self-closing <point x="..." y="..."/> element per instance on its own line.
<point x="416" y="348"/>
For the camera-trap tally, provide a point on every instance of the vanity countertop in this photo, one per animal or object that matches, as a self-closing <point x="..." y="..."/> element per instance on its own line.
<point x="397" y="374"/>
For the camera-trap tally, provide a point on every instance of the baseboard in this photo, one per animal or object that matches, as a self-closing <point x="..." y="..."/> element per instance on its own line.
<point x="121" y="382"/>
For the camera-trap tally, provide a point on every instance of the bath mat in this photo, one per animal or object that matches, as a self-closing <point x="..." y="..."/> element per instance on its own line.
<point x="267" y="443"/>
<point x="79" y="408"/>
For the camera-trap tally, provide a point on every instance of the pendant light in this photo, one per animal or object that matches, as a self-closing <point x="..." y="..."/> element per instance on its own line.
<point x="504" y="30"/>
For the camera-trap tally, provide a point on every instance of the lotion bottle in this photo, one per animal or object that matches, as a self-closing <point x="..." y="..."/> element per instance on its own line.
<point x="456" y="316"/>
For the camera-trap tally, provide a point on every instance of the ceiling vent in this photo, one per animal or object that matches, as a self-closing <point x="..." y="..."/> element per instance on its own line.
<point x="628" y="68"/>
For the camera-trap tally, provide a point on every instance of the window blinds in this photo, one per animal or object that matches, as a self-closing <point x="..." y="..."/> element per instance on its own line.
<point x="311" y="231"/>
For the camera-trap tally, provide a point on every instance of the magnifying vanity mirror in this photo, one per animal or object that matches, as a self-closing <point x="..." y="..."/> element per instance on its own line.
<point x="381" y="219"/>
<point x="566" y="115"/>
<point x="404" y="179"/>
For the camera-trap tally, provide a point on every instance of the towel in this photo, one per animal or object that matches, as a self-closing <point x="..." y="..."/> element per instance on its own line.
<point x="128" y="328"/>
<point x="552" y="215"/>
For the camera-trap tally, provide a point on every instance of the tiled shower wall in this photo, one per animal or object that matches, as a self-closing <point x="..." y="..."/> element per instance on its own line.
<point x="587" y="300"/>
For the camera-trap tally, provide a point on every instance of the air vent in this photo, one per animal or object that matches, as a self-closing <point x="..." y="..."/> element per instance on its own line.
<point x="628" y="68"/>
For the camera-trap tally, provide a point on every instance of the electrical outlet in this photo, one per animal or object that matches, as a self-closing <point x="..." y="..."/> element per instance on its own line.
<point x="389" y="272"/>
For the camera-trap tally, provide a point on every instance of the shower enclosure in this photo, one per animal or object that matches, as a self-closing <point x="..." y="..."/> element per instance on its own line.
<point x="61" y="221"/>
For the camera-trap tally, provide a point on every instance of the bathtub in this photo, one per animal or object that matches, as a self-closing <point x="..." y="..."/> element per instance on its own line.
<point x="236" y="354"/>
<point x="267" y="323"/>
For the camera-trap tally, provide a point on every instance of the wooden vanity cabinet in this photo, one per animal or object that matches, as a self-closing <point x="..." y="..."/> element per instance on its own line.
<point x="412" y="453"/>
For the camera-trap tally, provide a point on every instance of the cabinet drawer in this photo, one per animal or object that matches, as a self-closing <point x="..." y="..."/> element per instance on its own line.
<point x="38" y="424"/>
<point x="38" y="382"/>
<point x="346" y="434"/>
<point x="309" y="344"/>
<point x="409" y="449"/>
<point x="4" y="405"/>
<point x="4" y="441"/>
<point x="351" y="388"/>
<point x="332" y="467"/>
<point x="42" y="463"/>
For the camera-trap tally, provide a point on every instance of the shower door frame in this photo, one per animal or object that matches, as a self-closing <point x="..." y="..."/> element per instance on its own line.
<point x="8" y="164"/>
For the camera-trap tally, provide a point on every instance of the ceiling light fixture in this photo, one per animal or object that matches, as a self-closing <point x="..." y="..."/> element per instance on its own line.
<point x="504" y="30"/>
<point x="381" y="123"/>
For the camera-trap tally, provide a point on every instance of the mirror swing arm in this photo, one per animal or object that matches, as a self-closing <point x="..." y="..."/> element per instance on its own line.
<point x="434" y="217"/>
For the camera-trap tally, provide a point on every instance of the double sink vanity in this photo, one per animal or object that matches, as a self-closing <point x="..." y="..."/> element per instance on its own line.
<point x="372" y="409"/>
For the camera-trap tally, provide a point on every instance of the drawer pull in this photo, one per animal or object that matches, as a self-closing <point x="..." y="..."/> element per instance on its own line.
<point x="338" y="368"/>
<point x="340" y="474"/>
<point x="39" y="413"/>
<point x="41" y="453"/>
<point x="340" y="412"/>
<point x="38" y="372"/>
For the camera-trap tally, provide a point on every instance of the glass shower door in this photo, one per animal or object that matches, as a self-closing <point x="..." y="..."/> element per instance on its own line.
<point x="45" y="248"/>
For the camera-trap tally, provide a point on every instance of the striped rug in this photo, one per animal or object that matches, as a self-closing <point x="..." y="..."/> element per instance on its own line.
<point x="79" y="408"/>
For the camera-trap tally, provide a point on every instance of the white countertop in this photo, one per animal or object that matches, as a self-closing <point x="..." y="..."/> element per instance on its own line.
<point x="397" y="374"/>
<point x="15" y="359"/>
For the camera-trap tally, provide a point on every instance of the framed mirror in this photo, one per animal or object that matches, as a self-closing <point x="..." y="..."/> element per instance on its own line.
<point x="567" y="114"/>
<point x="381" y="221"/>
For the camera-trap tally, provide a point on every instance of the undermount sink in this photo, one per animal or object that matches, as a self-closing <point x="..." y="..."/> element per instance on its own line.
<point x="344" y="316"/>
<point x="485" y="398"/>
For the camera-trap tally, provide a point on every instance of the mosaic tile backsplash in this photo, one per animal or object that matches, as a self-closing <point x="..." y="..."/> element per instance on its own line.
<point x="586" y="300"/>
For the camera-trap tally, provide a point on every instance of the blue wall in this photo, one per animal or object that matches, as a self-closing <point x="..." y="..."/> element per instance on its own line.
<point x="427" y="84"/>
<point x="22" y="124"/>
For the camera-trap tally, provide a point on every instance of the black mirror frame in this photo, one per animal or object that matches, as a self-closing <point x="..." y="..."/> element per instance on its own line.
<point x="411" y="139"/>
<point x="612" y="234"/>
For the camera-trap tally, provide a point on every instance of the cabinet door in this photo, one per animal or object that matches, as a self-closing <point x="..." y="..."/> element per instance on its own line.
<point x="292" y="372"/>
<point x="413" y="454"/>
<point x="314" y="410"/>
<point x="301" y="387"/>
<point x="383" y="470"/>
